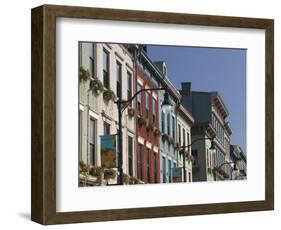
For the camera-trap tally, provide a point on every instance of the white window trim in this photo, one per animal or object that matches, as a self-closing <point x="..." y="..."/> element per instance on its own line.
<point x="81" y="107"/>
<point x="141" y="140"/>
<point x="93" y="114"/>
<point x="149" y="145"/>
<point x="140" y="82"/>
<point x="155" y="149"/>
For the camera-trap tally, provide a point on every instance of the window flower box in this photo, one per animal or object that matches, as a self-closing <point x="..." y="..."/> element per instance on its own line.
<point x="141" y="121"/>
<point x="83" y="74"/>
<point x="97" y="86"/>
<point x="109" y="174"/>
<point x="150" y="125"/>
<point x="165" y="137"/>
<point x="131" y="112"/>
<point x="156" y="132"/>
<point x="108" y="95"/>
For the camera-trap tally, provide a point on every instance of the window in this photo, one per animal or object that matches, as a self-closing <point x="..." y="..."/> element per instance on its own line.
<point x="170" y="170"/>
<point x="194" y="153"/>
<point x="148" y="166"/>
<point x="80" y="53"/>
<point x="130" y="155"/>
<point x="106" y="69"/>
<point x="163" y="122"/>
<point x="168" y="124"/>
<point x="183" y="136"/>
<point x="129" y="87"/>
<point x="174" y="167"/>
<point x="118" y="80"/>
<point x="154" y="110"/>
<point x="188" y="141"/>
<point x="155" y="168"/>
<point x="140" y="162"/>
<point x="92" y="60"/>
<point x="164" y="169"/>
<point x="92" y="142"/>
<point x="173" y="128"/>
<point x="208" y="158"/>
<point x="179" y="134"/>
<point x="106" y="128"/>
<point x="147" y="104"/>
<point x="139" y="98"/>
<point x="189" y="177"/>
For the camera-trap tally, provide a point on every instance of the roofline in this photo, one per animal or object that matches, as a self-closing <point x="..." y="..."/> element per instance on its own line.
<point x="187" y="114"/>
<point x="221" y="102"/>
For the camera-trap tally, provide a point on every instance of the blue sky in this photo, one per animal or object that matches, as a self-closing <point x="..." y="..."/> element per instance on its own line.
<point x="211" y="69"/>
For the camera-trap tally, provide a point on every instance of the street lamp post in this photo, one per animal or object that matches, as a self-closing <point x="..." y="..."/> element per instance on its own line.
<point x="121" y="106"/>
<point x="232" y="165"/>
<point x="212" y="148"/>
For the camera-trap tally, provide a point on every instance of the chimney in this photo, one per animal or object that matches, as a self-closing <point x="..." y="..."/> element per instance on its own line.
<point x="186" y="98"/>
<point x="186" y="88"/>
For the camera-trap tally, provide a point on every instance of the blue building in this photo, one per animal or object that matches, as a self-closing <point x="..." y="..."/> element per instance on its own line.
<point x="175" y="126"/>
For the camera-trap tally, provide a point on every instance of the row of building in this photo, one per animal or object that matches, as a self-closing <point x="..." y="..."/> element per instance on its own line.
<point x="152" y="135"/>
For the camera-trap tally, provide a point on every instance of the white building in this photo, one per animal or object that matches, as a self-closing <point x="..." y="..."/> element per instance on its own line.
<point x="111" y="66"/>
<point x="184" y="124"/>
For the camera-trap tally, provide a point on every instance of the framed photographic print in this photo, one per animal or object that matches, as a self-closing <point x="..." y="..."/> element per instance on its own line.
<point x="140" y="114"/>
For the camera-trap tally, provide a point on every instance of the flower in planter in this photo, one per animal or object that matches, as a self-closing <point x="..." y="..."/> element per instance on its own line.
<point x="96" y="171"/>
<point x="126" y="178"/>
<point x="83" y="74"/>
<point x="165" y="137"/>
<point x="84" y="170"/>
<point x="177" y="145"/>
<point x="171" y="141"/>
<point x="131" y="112"/>
<point x="141" y="120"/>
<point x="189" y="157"/>
<point x="108" y="94"/>
<point x="149" y="125"/>
<point x="134" y="180"/>
<point x="156" y="132"/>
<point x="109" y="174"/>
<point x="96" y="86"/>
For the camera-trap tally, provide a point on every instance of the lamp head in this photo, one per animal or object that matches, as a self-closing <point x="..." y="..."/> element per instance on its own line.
<point x="212" y="148"/>
<point x="166" y="104"/>
<point x="235" y="167"/>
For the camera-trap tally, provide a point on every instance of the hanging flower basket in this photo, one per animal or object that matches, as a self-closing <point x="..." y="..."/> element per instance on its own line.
<point x="191" y="158"/>
<point x="109" y="174"/>
<point x="177" y="145"/>
<point x="96" y="171"/>
<point x="126" y="179"/>
<point x="84" y="170"/>
<point x="165" y="137"/>
<point x="141" y="121"/>
<point x="108" y="95"/>
<point x="131" y="112"/>
<point x="156" y="132"/>
<point x="83" y="74"/>
<point x="83" y="167"/>
<point x="171" y="141"/>
<point x="97" y="86"/>
<point x="150" y="125"/>
<point x="134" y="180"/>
<point x="223" y="173"/>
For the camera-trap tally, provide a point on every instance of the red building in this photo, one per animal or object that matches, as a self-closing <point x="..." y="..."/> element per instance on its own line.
<point x="147" y="127"/>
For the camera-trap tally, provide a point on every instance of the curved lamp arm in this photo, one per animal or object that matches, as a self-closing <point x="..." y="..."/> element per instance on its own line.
<point x="126" y="102"/>
<point x="200" y="139"/>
